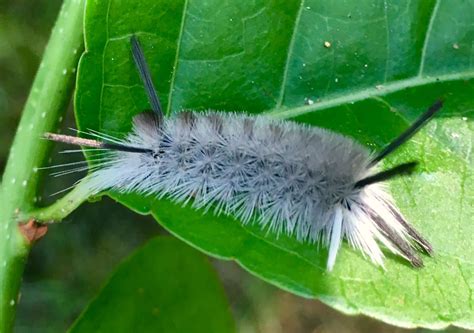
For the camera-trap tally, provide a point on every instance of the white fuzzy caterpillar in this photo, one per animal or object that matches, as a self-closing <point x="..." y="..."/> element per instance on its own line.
<point x="289" y="178"/>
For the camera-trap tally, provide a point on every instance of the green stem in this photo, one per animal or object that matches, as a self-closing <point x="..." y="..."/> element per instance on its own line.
<point x="46" y="104"/>
<point x="60" y="208"/>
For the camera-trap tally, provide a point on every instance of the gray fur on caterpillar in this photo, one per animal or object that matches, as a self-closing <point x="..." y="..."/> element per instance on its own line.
<point x="289" y="178"/>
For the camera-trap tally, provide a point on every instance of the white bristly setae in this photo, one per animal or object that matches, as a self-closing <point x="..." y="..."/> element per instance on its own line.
<point x="319" y="186"/>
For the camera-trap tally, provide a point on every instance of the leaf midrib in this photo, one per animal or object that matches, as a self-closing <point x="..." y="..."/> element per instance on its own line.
<point x="366" y="93"/>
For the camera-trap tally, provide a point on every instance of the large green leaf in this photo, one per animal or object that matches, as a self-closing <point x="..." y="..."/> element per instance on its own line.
<point x="385" y="64"/>
<point x="166" y="286"/>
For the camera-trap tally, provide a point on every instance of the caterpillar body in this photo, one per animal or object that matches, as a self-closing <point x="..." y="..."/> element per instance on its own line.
<point x="314" y="184"/>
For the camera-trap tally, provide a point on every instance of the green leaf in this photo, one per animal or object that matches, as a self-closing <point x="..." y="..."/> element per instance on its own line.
<point x="385" y="64"/>
<point x="166" y="286"/>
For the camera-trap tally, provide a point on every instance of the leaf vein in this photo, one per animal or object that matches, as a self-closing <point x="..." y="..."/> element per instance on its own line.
<point x="101" y="98"/>
<point x="362" y="94"/>
<point x="289" y="54"/>
<point x="427" y="37"/>
<point x="176" y="58"/>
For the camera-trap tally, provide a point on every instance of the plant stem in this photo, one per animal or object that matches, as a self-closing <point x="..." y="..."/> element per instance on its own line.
<point x="48" y="100"/>
<point x="60" y="208"/>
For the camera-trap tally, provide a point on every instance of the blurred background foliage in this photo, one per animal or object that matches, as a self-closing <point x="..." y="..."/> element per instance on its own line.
<point x="68" y="267"/>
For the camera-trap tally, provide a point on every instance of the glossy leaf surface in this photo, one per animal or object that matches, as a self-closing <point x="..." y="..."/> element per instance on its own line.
<point x="360" y="68"/>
